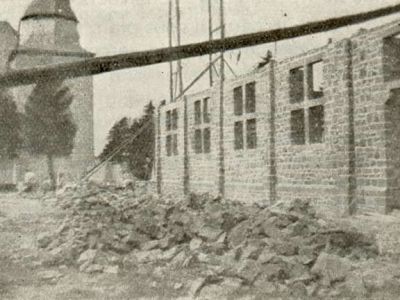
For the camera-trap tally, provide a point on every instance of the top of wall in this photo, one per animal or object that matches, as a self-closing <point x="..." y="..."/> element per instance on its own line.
<point x="384" y="30"/>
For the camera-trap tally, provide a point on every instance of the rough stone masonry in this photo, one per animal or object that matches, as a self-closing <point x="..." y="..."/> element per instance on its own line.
<point x="322" y="126"/>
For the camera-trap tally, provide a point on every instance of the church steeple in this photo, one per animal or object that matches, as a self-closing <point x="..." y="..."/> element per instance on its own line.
<point x="50" y="25"/>
<point x="50" y="9"/>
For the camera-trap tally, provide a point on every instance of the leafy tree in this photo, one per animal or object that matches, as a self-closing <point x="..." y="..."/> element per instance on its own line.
<point x="10" y="127"/>
<point x="118" y="134"/>
<point x="139" y="153"/>
<point x="141" y="150"/>
<point x="49" y="126"/>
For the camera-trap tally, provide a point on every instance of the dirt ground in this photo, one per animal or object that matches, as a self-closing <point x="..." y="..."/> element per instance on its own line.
<point x="23" y="276"/>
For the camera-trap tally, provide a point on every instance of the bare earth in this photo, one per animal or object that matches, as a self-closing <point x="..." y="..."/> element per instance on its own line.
<point x="23" y="276"/>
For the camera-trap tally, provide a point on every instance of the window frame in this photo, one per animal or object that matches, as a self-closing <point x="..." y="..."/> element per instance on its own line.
<point x="251" y="136"/>
<point x="206" y="140"/>
<point x="308" y="101"/>
<point x="174" y="119"/>
<point x="316" y="136"/>
<point x="198" y="141"/>
<point x="172" y="134"/>
<point x="206" y="110"/>
<point x="312" y="93"/>
<point x="238" y="144"/>
<point x="238" y="101"/>
<point x="250" y="109"/>
<point x="168" y="124"/>
<point x="201" y="125"/>
<point x="245" y="114"/>
<point x="295" y="137"/>
<point x="294" y="95"/>
<point x="197" y="112"/>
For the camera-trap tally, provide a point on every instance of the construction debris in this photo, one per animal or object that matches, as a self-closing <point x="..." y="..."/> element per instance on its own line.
<point x="283" y="247"/>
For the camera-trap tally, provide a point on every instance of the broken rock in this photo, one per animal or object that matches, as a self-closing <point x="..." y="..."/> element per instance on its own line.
<point x="93" y="269"/>
<point x="238" y="234"/>
<point x="209" y="233"/>
<point x="148" y="256"/>
<point x="49" y="275"/>
<point x="331" y="268"/>
<point x="44" y="240"/>
<point x="87" y="257"/>
<point x="150" y="245"/>
<point x="196" y="286"/>
<point x="248" y="270"/>
<point x="195" y="244"/>
<point x="111" y="270"/>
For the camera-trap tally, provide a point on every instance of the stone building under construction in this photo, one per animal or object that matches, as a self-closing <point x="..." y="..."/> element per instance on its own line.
<point x="323" y="125"/>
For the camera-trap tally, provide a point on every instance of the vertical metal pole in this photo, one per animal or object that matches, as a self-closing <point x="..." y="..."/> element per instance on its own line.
<point x="171" y="70"/>
<point x="221" y="109"/>
<point x="210" y="37"/>
<point x="185" y="118"/>
<point x="178" y="25"/>
<point x="158" y="150"/>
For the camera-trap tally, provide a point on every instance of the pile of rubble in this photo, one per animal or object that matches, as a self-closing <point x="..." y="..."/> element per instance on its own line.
<point x="285" y="246"/>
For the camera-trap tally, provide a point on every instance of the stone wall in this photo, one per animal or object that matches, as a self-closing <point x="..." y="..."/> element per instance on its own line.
<point x="203" y="165"/>
<point x="172" y="165"/>
<point x="376" y="61"/>
<point x="337" y="146"/>
<point x="250" y="185"/>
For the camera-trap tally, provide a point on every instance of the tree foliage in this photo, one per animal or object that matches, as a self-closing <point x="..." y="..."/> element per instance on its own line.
<point x="141" y="150"/>
<point x="138" y="154"/>
<point x="49" y="126"/>
<point x="119" y="133"/>
<point x="10" y="127"/>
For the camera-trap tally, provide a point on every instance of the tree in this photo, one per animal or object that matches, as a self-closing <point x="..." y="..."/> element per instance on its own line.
<point x="10" y="127"/>
<point x="118" y="134"/>
<point x="141" y="150"/>
<point x="49" y="126"/>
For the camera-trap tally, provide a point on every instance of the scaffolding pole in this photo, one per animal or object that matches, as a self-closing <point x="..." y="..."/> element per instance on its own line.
<point x="178" y="34"/>
<point x="210" y="37"/>
<point x="221" y="107"/>
<point x="171" y="70"/>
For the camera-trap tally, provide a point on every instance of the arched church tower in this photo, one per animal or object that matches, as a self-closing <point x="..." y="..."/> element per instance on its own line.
<point x="48" y="35"/>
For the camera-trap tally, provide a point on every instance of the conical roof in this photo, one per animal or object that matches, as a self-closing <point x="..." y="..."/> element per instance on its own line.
<point x="50" y="9"/>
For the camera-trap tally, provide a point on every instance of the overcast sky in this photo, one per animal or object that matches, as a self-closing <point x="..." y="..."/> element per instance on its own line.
<point x="117" y="26"/>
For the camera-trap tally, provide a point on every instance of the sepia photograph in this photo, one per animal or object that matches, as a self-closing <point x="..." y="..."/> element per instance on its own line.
<point x="199" y="149"/>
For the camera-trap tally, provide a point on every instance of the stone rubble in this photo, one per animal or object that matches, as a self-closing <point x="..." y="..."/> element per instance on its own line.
<point x="282" y="248"/>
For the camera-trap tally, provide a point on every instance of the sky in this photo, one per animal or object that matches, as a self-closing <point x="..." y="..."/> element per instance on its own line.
<point x="119" y="26"/>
